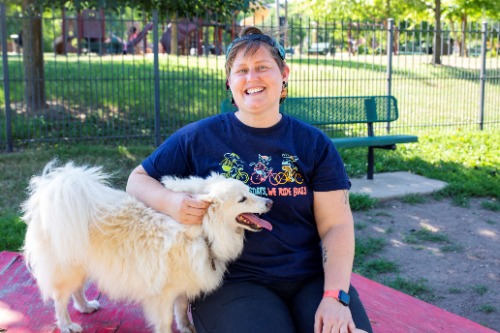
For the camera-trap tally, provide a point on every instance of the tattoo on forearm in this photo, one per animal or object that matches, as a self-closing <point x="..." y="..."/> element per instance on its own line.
<point x="346" y="197"/>
<point x="325" y="256"/>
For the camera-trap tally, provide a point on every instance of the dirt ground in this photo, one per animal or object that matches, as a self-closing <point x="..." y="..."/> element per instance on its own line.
<point x="461" y="265"/>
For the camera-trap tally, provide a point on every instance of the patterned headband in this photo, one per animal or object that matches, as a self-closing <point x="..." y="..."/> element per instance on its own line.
<point x="266" y="39"/>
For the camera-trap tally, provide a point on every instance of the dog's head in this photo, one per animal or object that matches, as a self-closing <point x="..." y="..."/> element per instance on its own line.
<point x="232" y="200"/>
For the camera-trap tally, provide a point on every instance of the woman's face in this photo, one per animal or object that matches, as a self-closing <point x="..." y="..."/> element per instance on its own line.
<point x="256" y="81"/>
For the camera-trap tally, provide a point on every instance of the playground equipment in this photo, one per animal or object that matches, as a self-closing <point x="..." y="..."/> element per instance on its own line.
<point x="136" y="38"/>
<point x="89" y="31"/>
<point x="193" y="36"/>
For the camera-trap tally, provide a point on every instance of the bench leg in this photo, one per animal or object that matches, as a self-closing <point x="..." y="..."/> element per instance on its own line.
<point x="371" y="159"/>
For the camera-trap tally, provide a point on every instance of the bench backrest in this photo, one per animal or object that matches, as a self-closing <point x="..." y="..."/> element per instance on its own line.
<point x="337" y="110"/>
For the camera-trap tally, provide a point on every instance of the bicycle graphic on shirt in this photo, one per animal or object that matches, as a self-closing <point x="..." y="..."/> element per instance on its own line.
<point x="289" y="174"/>
<point x="233" y="167"/>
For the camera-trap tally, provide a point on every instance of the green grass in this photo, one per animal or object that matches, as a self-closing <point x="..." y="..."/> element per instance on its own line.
<point x="480" y="289"/>
<point x="17" y="168"/>
<point x="455" y="290"/>
<point x="374" y="267"/>
<point x="361" y="202"/>
<point x="414" y="199"/>
<point x="487" y="308"/>
<point x="492" y="205"/>
<point x="13" y="229"/>
<point x="416" y="288"/>
<point x="467" y="161"/>
<point x="365" y="248"/>
<point x="425" y="235"/>
<point x="452" y="248"/>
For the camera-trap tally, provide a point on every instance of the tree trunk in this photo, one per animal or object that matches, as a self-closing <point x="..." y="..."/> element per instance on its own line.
<point x="436" y="55"/>
<point x="34" y="77"/>
<point x="463" y="49"/>
<point x="174" y="44"/>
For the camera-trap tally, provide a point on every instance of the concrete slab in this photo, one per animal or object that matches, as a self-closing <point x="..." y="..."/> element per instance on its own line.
<point x="392" y="185"/>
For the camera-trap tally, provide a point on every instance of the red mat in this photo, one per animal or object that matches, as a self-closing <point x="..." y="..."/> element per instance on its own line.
<point x="22" y="310"/>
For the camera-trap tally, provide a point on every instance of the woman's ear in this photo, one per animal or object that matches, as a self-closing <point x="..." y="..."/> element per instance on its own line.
<point x="286" y="73"/>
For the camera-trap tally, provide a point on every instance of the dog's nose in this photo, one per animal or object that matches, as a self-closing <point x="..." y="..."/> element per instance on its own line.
<point x="269" y="203"/>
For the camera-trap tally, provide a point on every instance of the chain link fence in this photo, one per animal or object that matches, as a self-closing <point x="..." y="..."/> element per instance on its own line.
<point x="101" y="77"/>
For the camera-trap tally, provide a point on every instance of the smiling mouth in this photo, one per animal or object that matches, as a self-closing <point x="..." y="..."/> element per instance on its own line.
<point x="253" y="91"/>
<point x="253" y="222"/>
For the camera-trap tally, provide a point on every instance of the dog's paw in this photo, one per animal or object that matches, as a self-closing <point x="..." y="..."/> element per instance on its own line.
<point x="71" y="328"/>
<point x="89" y="307"/>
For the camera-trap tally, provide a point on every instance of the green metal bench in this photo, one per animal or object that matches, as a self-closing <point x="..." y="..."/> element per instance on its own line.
<point x="349" y="110"/>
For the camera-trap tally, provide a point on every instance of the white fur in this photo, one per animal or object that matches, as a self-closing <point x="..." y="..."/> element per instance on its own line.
<point x="81" y="229"/>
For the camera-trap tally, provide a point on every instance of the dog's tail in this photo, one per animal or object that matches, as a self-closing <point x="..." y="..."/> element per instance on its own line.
<point x="63" y="203"/>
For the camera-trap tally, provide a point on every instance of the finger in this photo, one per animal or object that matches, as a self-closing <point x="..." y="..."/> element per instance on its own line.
<point x="328" y="328"/>
<point x="317" y="325"/>
<point x="197" y="212"/>
<point x="337" y="327"/>
<point x="344" y="328"/>
<point x="191" y="219"/>
<point x="195" y="203"/>
<point x="352" y="327"/>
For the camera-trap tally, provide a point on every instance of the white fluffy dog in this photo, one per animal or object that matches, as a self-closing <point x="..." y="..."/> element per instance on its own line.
<point x="79" y="229"/>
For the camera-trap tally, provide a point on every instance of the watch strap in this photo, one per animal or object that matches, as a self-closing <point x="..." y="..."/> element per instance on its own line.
<point x="339" y="295"/>
<point x="332" y="293"/>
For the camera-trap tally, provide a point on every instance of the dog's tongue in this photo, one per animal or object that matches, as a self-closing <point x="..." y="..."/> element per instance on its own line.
<point x="258" y="221"/>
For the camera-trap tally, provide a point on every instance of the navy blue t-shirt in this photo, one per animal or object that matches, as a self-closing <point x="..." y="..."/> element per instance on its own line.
<point x="285" y="162"/>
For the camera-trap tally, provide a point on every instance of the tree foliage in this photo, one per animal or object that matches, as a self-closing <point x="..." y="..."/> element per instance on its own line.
<point x="415" y="10"/>
<point x="186" y="8"/>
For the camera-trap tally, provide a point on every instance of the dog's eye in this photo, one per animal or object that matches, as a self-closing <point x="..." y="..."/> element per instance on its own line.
<point x="243" y="199"/>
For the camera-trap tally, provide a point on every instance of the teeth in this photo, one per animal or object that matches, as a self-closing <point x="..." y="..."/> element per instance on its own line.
<point x="254" y="90"/>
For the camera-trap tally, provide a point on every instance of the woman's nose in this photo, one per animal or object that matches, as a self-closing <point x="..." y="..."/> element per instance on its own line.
<point x="252" y="75"/>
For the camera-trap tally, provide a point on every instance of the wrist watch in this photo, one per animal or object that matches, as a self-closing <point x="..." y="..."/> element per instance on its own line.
<point x="339" y="295"/>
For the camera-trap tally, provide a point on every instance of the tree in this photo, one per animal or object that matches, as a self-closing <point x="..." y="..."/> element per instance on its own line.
<point x="436" y="54"/>
<point x="417" y="10"/>
<point x="461" y="11"/>
<point x="34" y="73"/>
<point x="35" y="97"/>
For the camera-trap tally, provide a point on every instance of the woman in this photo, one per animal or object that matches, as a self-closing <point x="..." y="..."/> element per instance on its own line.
<point x="297" y="277"/>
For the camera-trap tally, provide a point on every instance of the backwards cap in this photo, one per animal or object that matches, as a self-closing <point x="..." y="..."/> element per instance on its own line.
<point x="266" y="39"/>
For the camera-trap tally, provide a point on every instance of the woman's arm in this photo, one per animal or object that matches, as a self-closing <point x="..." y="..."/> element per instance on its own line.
<point x="336" y="229"/>
<point x="180" y="206"/>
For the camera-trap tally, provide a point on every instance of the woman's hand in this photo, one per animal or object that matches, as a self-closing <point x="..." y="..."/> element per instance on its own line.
<point x="333" y="317"/>
<point x="186" y="209"/>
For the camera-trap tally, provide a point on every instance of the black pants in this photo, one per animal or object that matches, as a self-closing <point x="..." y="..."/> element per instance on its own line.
<point x="279" y="308"/>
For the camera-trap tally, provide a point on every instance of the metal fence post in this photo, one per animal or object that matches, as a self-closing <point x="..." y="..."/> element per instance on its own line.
<point x="156" y="69"/>
<point x="390" y="42"/>
<point x="6" y="82"/>
<point x="482" y="74"/>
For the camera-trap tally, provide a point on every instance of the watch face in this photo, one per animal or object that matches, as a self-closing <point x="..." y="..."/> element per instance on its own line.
<point x="344" y="298"/>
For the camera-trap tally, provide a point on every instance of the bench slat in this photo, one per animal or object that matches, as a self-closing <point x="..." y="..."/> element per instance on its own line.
<point x="22" y="310"/>
<point x="352" y="142"/>
<point x="391" y="311"/>
<point x="336" y="110"/>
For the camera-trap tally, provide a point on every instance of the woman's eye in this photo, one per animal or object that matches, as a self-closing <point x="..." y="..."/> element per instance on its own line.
<point x="243" y="199"/>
